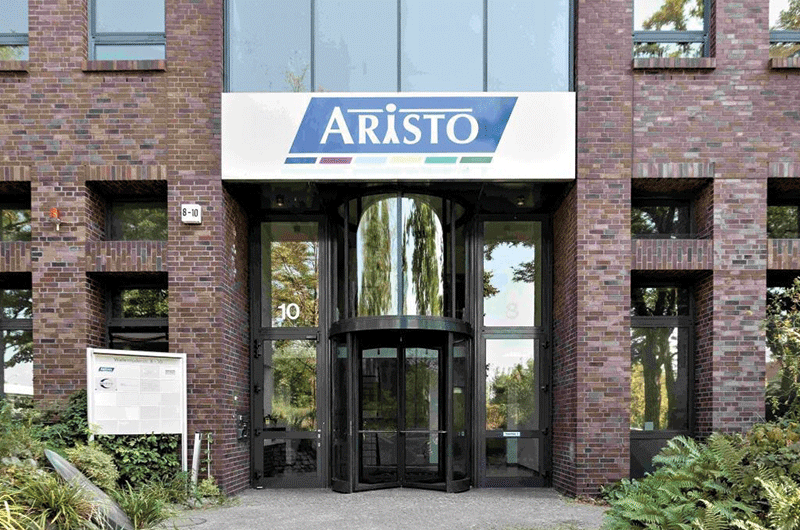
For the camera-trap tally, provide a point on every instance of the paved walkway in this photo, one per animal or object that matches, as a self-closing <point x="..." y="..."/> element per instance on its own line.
<point x="406" y="509"/>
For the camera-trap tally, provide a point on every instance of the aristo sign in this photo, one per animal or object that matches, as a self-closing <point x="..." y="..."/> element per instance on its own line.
<point x="272" y="136"/>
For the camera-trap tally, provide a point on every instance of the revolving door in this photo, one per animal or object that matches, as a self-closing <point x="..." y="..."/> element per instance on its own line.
<point x="400" y="409"/>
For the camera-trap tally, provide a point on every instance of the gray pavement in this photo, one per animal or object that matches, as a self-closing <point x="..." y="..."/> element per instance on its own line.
<point x="407" y="509"/>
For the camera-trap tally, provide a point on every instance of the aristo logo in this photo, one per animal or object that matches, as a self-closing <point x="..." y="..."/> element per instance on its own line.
<point x="391" y="125"/>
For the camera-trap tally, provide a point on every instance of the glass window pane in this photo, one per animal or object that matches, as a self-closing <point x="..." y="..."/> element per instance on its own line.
<point x="129" y="52"/>
<point x="512" y="273"/>
<point x="423" y="242"/>
<point x="13" y="53"/>
<point x="782" y="222"/>
<point x="289" y="274"/>
<point x="269" y="45"/>
<point x="290" y="385"/>
<point x="17" y="363"/>
<point x="667" y="49"/>
<point x="124" y="16"/>
<point x="15" y="224"/>
<point x="512" y="457"/>
<point x="659" y="383"/>
<point x="355" y="45"/>
<point x="15" y="303"/>
<point x="15" y="16"/>
<point x="441" y="45"/>
<point x="378" y="457"/>
<point x="662" y="15"/>
<point x="379" y="391"/>
<point x="460" y="404"/>
<point x="377" y="247"/>
<point x="783" y="16"/>
<point x="156" y="340"/>
<point x="659" y="301"/>
<point x="340" y="452"/>
<point x="140" y="303"/>
<point x="511" y="385"/>
<point x="528" y="45"/>
<point x="138" y="221"/>
<point x="660" y="221"/>
<point x="422" y="389"/>
<point x="289" y="463"/>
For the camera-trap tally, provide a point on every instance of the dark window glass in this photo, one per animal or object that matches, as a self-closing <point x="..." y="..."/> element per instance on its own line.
<point x="155" y="340"/>
<point x="784" y="25"/>
<point x="15" y="303"/>
<point x="14" y="30"/>
<point x="15" y="224"/>
<point x="138" y="221"/>
<point x="659" y="301"/>
<point x="659" y="382"/>
<point x="664" y="28"/>
<point x="125" y="30"/>
<point x="512" y="457"/>
<point x="140" y="303"/>
<point x="782" y="222"/>
<point x="660" y="221"/>
<point x="290" y="385"/>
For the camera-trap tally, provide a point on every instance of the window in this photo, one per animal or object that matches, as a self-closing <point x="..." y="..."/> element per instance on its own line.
<point x="784" y="28"/>
<point x="661" y="218"/>
<point x="661" y="30"/>
<point x="398" y="45"/>
<point x="138" y="318"/>
<point x="783" y="221"/>
<point x="137" y="220"/>
<point x="125" y="30"/>
<point x="16" y="338"/>
<point x="15" y="222"/>
<point x="14" y="30"/>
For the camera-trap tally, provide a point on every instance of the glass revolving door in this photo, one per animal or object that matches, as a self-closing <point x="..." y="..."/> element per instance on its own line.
<point x="400" y="413"/>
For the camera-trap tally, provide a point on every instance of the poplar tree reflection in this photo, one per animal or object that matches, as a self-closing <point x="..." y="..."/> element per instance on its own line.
<point x="374" y="230"/>
<point x="424" y="232"/>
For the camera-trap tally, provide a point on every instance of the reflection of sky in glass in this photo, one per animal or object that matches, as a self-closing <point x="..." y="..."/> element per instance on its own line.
<point x="141" y="16"/>
<point x="14" y="18"/>
<point x="644" y="9"/>
<point x="355" y="45"/>
<point x="513" y="305"/>
<point x="18" y="379"/>
<point x="505" y="354"/>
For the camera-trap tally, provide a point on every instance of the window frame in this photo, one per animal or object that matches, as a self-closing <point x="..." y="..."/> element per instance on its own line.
<point x="661" y="200"/>
<point x="677" y="321"/>
<point x="13" y="324"/>
<point x="16" y="39"/>
<point x="122" y="38"/>
<point x="659" y="36"/>
<point x="118" y="324"/>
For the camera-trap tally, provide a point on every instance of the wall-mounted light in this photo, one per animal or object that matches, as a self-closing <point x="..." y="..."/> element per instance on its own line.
<point x="55" y="217"/>
<point x="521" y="201"/>
<point x="279" y="201"/>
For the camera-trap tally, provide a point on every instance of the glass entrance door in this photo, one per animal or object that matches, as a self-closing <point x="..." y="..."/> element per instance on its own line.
<point x="408" y="395"/>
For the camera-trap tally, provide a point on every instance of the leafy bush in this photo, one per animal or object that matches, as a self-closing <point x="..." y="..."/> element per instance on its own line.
<point x="53" y="503"/>
<point x="145" y="506"/>
<point x="65" y="427"/>
<point x="16" y="439"/>
<point x="96" y="464"/>
<point x="141" y="459"/>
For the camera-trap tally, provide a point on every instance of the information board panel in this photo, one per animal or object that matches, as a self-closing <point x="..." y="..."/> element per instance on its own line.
<point x="136" y="392"/>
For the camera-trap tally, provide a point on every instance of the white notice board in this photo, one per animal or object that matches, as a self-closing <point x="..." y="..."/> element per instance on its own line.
<point x="137" y="392"/>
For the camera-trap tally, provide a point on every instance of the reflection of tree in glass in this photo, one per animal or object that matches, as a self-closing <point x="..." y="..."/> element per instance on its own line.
<point x="143" y="303"/>
<point x="375" y="290"/>
<point x="425" y="276"/>
<point x="672" y="15"/>
<point x="782" y="327"/>
<point x="16" y="304"/>
<point x="295" y="279"/>
<point x="294" y="398"/>
<point x="524" y="272"/>
<point x="653" y="360"/>
<point x="141" y="222"/>
<point x="16" y="225"/>
<point x="511" y="397"/>
<point x="782" y="222"/>
<point x="788" y="20"/>
<point x="656" y="220"/>
<point x="422" y="376"/>
<point x="11" y="53"/>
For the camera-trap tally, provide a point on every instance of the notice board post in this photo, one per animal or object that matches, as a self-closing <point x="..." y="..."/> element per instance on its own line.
<point x="137" y="392"/>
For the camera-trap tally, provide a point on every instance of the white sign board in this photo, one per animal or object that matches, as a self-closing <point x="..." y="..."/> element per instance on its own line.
<point x="342" y="136"/>
<point x="191" y="214"/>
<point x="136" y="392"/>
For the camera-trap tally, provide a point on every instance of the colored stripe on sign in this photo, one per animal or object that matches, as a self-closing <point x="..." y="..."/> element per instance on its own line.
<point x="335" y="160"/>
<point x="301" y="160"/>
<point x="476" y="159"/>
<point x="441" y="160"/>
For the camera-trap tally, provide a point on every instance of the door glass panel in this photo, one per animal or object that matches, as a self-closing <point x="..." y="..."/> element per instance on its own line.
<point x="290" y="385"/>
<point x="422" y="389"/>
<point x="290" y="460"/>
<point x="512" y="457"/>
<point x="378" y="457"/>
<point x="379" y="392"/>
<point x="424" y="457"/>
<point x="460" y="404"/>
<point x="511" y="385"/>
<point x="512" y="273"/>
<point x="289" y="274"/>
<point x="341" y="453"/>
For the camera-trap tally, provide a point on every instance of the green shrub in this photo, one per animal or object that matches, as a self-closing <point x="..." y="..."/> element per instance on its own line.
<point x="142" y="459"/>
<point x="13" y="517"/>
<point x="65" y="426"/>
<point x="54" y="503"/>
<point x="16" y="438"/>
<point x="96" y="464"/>
<point x="145" y="506"/>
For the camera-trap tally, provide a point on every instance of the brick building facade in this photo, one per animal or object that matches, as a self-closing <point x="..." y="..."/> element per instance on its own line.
<point x="723" y="130"/>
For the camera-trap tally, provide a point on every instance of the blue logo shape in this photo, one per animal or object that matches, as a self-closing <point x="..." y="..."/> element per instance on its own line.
<point x="433" y="124"/>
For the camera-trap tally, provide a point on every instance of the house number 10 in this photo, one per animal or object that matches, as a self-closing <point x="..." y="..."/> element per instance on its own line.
<point x="290" y="311"/>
